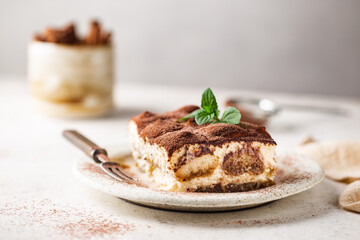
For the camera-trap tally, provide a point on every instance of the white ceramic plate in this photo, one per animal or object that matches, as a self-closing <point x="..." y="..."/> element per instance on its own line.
<point x="295" y="174"/>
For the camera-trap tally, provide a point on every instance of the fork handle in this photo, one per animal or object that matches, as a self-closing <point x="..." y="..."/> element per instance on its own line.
<point x="85" y="144"/>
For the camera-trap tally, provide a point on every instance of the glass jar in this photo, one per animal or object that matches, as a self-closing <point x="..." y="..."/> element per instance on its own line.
<point x="71" y="80"/>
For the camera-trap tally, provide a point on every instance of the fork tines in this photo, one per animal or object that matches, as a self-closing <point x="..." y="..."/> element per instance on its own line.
<point x="114" y="170"/>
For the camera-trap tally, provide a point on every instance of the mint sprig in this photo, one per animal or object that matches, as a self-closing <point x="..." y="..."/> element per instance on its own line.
<point x="209" y="112"/>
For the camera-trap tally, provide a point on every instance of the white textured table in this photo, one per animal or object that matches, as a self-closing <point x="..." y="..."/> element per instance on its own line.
<point x="40" y="199"/>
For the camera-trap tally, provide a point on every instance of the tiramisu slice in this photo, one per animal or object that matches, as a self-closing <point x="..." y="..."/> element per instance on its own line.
<point x="211" y="157"/>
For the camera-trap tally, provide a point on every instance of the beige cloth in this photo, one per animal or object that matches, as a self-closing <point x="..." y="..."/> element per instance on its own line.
<point x="350" y="198"/>
<point x="340" y="161"/>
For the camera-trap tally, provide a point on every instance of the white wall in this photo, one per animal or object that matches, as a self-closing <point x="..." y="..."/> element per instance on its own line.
<point x="308" y="46"/>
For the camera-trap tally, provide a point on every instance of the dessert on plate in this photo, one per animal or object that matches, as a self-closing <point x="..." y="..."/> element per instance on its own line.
<point x="71" y="76"/>
<point x="191" y="149"/>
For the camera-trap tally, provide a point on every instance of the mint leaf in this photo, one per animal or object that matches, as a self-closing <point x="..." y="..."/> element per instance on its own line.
<point x="217" y="113"/>
<point x="191" y="115"/>
<point x="203" y="117"/>
<point x="208" y="102"/>
<point x="209" y="112"/>
<point x="231" y="116"/>
<point x="216" y="121"/>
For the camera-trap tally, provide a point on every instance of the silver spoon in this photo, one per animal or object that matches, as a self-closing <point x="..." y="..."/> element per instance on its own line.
<point x="264" y="108"/>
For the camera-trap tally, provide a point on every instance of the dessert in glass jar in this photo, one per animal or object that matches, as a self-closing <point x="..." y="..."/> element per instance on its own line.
<point x="71" y="76"/>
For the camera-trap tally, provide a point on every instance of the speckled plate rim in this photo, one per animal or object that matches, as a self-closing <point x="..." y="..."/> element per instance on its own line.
<point x="202" y="201"/>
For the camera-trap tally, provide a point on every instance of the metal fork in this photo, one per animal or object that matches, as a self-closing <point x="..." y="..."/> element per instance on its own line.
<point x="99" y="155"/>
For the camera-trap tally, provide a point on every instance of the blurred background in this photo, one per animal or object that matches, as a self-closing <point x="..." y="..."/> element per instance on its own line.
<point x="297" y="46"/>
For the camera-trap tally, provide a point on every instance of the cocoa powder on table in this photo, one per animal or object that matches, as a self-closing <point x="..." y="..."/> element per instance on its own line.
<point x="49" y="219"/>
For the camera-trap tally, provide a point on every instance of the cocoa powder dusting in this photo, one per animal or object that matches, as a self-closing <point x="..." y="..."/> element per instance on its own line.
<point x="54" y="220"/>
<point x="93" y="168"/>
<point x="166" y="131"/>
